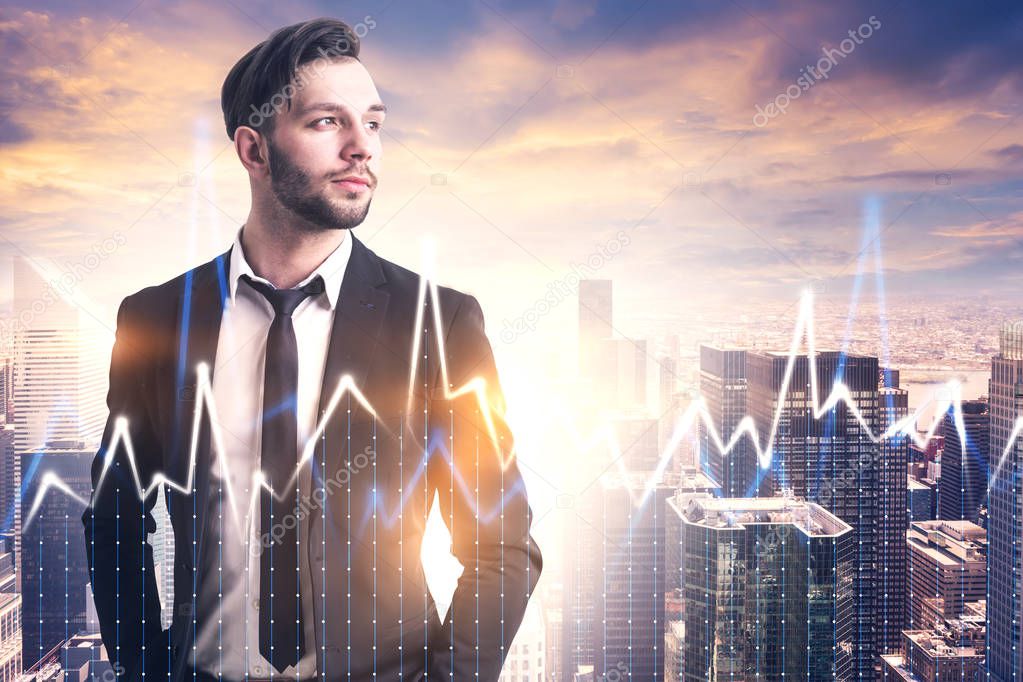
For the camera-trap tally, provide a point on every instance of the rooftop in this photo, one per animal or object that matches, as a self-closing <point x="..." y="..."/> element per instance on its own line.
<point x="736" y="512"/>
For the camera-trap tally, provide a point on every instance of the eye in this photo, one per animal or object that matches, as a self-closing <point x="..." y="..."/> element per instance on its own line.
<point x="325" y="118"/>
<point x="377" y="125"/>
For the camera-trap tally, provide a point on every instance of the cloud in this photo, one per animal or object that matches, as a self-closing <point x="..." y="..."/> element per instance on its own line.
<point x="570" y="14"/>
<point x="555" y="123"/>
<point x="1011" y="154"/>
<point x="1007" y="230"/>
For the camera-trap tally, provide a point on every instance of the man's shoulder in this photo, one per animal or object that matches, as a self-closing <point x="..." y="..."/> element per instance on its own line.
<point x="159" y="303"/>
<point x="148" y="319"/>
<point x="408" y="284"/>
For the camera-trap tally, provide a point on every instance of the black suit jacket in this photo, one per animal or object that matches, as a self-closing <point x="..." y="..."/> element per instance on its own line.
<point x="421" y="442"/>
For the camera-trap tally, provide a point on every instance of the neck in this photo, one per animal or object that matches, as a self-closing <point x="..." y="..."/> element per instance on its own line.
<point x="285" y="252"/>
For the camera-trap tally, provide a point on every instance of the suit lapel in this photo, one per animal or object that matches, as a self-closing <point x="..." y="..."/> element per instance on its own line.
<point x="201" y="307"/>
<point x="354" y="338"/>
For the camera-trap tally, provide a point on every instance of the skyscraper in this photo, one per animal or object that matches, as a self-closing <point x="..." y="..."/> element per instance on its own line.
<point x="768" y="590"/>
<point x="963" y="482"/>
<point x="1005" y="513"/>
<point x="890" y="519"/>
<point x="831" y="461"/>
<point x="9" y="493"/>
<point x="920" y="504"/>
<point x="629" y="628"/>
<point x="6" y="386"/>
<point x="59" y="367"/>
<point x="10" y="617"/>
<point x="55" y="569"/>
<point x="612" y="370"/>
<point x="613" y="616"/>
<point x="723" y="387"/>
<point x="595" y="310"/>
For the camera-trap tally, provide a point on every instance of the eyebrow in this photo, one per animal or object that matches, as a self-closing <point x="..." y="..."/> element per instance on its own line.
<point x="334" y="106"/>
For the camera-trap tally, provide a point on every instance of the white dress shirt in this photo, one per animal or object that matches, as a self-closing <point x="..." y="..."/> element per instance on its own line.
<point x="227" y="601"/>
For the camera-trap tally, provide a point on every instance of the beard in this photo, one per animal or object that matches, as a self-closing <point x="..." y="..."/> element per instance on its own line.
<point x="294" y="190"/>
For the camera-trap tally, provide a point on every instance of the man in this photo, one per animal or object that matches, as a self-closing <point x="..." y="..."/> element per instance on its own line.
<point x="301" y="402"/>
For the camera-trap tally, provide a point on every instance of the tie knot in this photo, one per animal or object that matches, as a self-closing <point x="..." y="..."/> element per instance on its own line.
<point x="284" y="301"/>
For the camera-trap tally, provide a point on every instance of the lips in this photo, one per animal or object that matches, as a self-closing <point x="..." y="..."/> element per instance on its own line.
<point x="354" y="179"/>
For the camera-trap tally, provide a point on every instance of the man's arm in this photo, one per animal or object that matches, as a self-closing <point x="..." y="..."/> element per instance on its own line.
<point x="117" y="522"/>
<point x="483" y="502"/>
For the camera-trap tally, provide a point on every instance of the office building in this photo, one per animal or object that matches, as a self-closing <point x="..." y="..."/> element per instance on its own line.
<point x="947" y="571"/>
<point x="54" y="562"/>
<point x="723" y="387"/>
<point x="1004" y="654"/>
<point x="768" y="590"/>
<point x="890" y="519"/>
<point x="833" y="461"/>
<point x="963" y="483"/>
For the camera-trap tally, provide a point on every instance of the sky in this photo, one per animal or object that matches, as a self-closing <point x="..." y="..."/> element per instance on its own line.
<point x="526" y="139"/>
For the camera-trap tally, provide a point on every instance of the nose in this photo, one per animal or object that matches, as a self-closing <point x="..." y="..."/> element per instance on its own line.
<point x="358" y="146"/>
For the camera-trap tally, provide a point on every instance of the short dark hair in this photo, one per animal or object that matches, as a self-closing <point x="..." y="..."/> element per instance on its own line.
<point x="257" y="85"/>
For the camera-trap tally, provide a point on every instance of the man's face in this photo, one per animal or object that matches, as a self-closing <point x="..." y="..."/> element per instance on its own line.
<point x="331" y="132"/>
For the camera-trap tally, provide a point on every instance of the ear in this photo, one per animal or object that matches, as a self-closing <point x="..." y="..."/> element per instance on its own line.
<point x="250" y="145"/>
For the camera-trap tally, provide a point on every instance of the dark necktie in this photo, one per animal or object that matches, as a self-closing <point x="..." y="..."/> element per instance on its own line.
<point x="281" y="640"/>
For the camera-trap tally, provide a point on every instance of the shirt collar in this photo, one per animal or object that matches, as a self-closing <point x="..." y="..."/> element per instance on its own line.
<point x="332" y="270"/>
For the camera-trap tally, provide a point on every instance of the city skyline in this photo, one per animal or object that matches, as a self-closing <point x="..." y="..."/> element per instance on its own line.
<point x="749" y="273"/>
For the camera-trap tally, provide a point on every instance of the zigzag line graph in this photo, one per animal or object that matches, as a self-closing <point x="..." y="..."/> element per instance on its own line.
<point x="945" y="398"/>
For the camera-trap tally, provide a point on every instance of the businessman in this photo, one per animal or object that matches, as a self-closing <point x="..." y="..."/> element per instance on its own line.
<point x="303" y="403"/>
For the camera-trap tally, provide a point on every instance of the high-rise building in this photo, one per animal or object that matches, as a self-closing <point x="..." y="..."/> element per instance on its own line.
<point x="890" y="519"/>
<point x="637" y="438"/>
<point x="10" y="617"/>
<point x="1004" y="652"/>
<point x="629" y="628"/>
<point x="527" y="658"/>
<point x="947" y="571"/>
<point x="920" y="500"/>
<point x="723" y="387"/>
<point x="963" y="482"/>
<point x="612" y="370"/>
<point x="692" y="484"/>
<point x="832" y="461"/>
<point x="580" y="552"/>
<point x="162" y="542"/>
<point x="668" y="383"/>
<point x="9" y="493"/>
<point x="595" y="310"/>
<point x="554" y="628"/>
<point x="53" y="552"/>
<point x="6" y="387"/>
<point x="670" y="403"/>
<point x="60" y="367"/>
<point x="613" y="615"/>
<point x="768" y="590"/>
